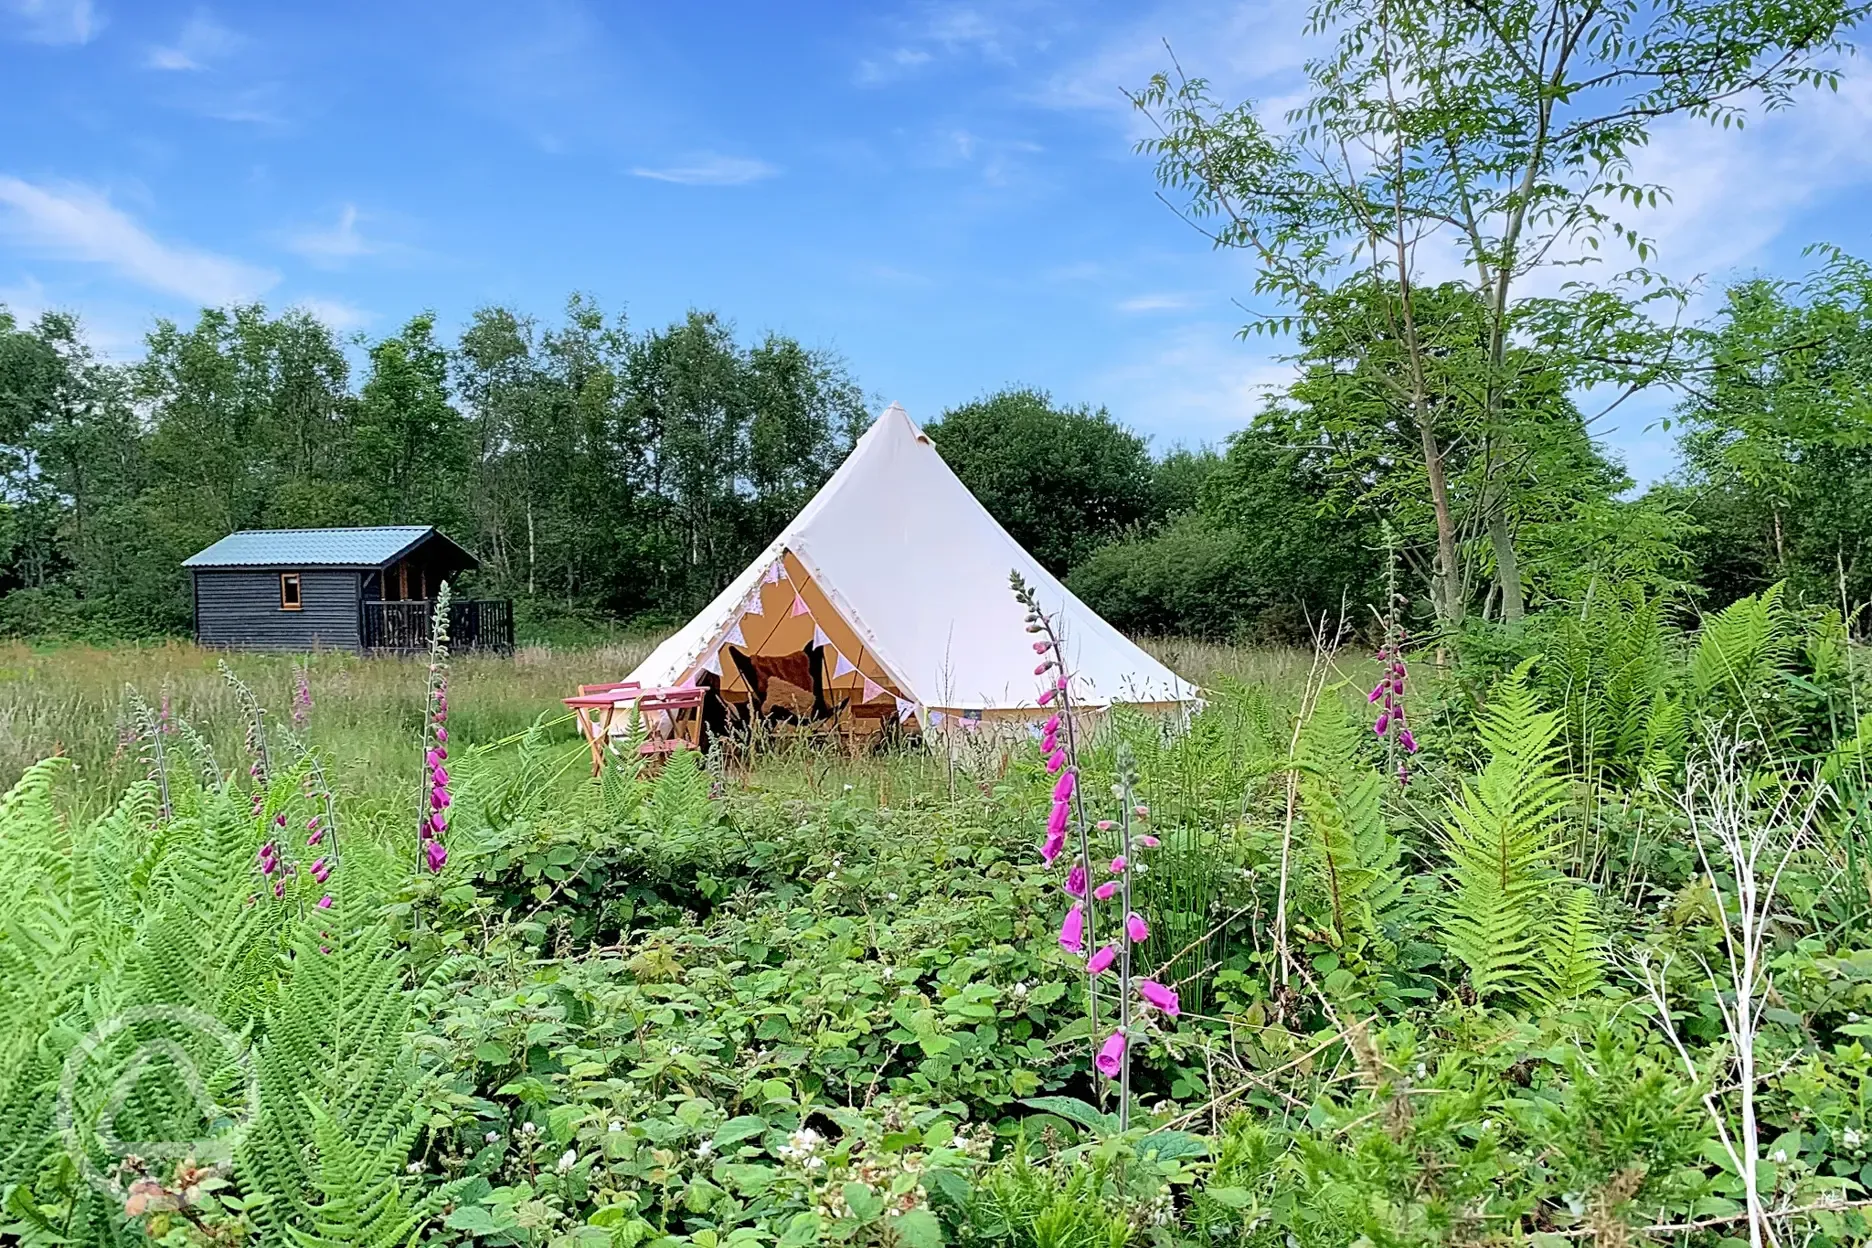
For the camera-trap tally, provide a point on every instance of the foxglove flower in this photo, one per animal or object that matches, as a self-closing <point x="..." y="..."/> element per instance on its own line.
<point x="1158" y="997"/>
<point x="1111" y="1057"/>
<point x="1106" y="891"/>
<point x="325" y="902"/>
<point x="1102" y="959"/>
<point x="1064" y="786"/>
<point x="1072" y="931"/>
<point x="1076" y="881"/>
<point x="1136" y="928"/>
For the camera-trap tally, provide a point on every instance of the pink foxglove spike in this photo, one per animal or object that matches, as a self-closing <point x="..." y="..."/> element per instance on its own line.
<point x="799" y="606"/>
<point x="844" y="666"/>
<point x="735" y="636"/>
<point x="872" y="690"/>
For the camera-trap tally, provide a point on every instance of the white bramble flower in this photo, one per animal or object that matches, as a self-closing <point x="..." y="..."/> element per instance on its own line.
<point x="1779" y="1156"/>
<point x="890" y="896"/>
<point x="1850" y="1138"/>
<point x="615" y="1125"/>
<point x="492" y="1137"/>
<point x="529" y="1128"/>
<point x="567" y="1160"/>
<point x="705" y="1149"/>
<point x="414" y="1167"/>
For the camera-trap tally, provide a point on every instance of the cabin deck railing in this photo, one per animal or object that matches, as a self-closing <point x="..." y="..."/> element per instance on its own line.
<point x="474" y="624"/>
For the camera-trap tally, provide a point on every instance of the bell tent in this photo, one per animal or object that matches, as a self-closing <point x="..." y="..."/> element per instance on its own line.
<point x="888" y="596"/>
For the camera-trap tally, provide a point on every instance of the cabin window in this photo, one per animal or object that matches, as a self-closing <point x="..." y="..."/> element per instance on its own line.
<point x="289" y="592"/>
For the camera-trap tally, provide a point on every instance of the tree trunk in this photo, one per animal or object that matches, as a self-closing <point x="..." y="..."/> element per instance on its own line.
<point x="532" y="561"/>
<point x="1444" y="595"/>
<point x="1507" y="568"/>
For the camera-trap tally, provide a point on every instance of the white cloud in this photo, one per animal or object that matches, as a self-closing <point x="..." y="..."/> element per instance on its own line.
<point x="331" y="247"/>
<point x="336" y="313"/>
<point x="1253" y="50"/>
<point x="1160" y="302"/>
<point x="711" y="170"/>
<point x="56" y="21"/>
<point x="201" y="42"/>
<point x="76" y="223"/>
<point x="1195" y="383"/>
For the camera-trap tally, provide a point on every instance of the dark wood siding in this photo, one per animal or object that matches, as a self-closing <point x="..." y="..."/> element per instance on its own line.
<point x="241" y="608"/>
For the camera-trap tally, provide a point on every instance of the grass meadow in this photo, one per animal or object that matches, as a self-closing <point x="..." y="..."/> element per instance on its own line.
<point x="71" y="700"/>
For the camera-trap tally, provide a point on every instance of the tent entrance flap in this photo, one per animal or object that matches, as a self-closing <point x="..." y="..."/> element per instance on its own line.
<point x="789" y="647"/>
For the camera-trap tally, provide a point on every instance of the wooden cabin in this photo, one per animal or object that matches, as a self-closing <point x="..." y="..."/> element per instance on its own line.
<point x="338" y="589"/>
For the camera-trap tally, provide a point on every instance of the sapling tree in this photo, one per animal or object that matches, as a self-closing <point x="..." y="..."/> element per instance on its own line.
<point x="1487" y="140"/>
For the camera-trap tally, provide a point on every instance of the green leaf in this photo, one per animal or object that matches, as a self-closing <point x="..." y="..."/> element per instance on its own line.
<point x="863" y="1201"/>
<point x="745" y="1127"/>
<point x="1172" y="1145"/>
<point x="1073" y="1110"/>
<point x="919" y="1229"/>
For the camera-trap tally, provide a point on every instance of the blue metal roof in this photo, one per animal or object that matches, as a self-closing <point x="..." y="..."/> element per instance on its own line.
<point x="310" y="548"/>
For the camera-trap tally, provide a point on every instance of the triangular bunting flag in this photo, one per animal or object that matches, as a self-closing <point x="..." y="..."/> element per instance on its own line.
<point x="843" y="667"/>
<point x="819" y="638"/>
<point x="904" y="707"/>
<point x="772" y="574"/>
<point x="754" y="605"/>
<point x="713" y="662"/>
<point x="871" y="690"/>
<point x="799" y="606"/>
<point x="936" y="719"/>
<point x="735" y="636"/>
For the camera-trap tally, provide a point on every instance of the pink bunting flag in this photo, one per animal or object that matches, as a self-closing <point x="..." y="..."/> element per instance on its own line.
<point x="871" y="690"/>
<point x="843" y="667"/>
<point x="799" y="606"/>
<point x="735" y="636"/>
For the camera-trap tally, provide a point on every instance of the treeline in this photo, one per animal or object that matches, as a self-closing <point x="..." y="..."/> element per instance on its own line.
<point x="609" y="475"/>
<point x="596" y="471"/>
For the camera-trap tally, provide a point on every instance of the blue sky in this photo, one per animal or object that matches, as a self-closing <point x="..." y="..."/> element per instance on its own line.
<point x="944" y="194"/>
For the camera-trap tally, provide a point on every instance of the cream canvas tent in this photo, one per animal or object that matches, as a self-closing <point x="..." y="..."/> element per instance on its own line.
<point x="900" y="578"/>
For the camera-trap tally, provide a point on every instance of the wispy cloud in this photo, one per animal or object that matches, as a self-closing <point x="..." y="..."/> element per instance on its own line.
<point x="331" y="247"/>
<point x="1159" y="302"/>
<point x="948" y="30"/>
<point x="76" y="223"/>
<point x="339" y="314"/>
<point x="711" y="170"/>
<point x="1193" y="383"/>
<point x="201" y="42"/>
<point x="55" y="21"/>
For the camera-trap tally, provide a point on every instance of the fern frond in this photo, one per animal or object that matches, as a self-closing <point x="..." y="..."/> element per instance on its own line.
<point x="1500" y="839"/>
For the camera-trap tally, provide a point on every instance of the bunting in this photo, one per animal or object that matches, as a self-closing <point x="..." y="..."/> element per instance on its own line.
<point x="871" y="690"/>
<point x="819" y="639"/>
<point x="904" y="708"/>
<point x="713" y="662"/>
<point x="772" y="575"/>
<point x="844" y="666"/>
<point x="936" y="719"/>
<point x="754" y="604"/>
<point x="799" y="606"/>
<point x="735" y="636"/>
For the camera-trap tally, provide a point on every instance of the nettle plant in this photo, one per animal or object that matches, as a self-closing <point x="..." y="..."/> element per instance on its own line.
<point x="1108" y="849"/>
